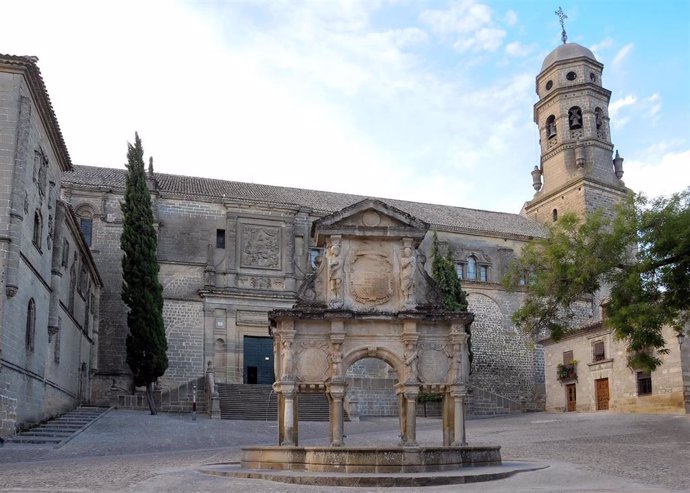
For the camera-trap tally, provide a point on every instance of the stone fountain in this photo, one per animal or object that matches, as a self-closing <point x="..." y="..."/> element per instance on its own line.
<point x="370" y="297"/>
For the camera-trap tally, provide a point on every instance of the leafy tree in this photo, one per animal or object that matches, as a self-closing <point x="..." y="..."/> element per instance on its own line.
<point x="141" y="290"/>
<point x="454" y="298"/>
<point x="639" y="255"/>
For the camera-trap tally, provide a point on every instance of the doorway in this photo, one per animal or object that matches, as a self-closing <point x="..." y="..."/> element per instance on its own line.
<point x="258" y="360"/>
<point x="571" y="397"/>
<point x="601" y="387"/>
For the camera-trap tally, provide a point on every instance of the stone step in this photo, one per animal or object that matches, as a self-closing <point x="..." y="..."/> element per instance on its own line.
<point x="58" y="429"/>
<point x="33" y="440"/>
<point x="259" y="402"/>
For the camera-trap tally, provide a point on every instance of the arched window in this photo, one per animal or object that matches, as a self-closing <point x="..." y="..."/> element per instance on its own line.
<point x="472" y="268"/>
<point x="30" y="325"/>
<point x="550" y="126"/>
<point x="575" y="118"/>
<point x="599" y="120"/>
<point x="38" y="226"/>
<point x="86" y="223"/>
<point x="554" y="215"/>
<point x="86" y="226"/>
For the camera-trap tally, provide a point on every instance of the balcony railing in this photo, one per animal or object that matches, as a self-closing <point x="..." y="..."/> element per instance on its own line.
<point x="567" y="371"/>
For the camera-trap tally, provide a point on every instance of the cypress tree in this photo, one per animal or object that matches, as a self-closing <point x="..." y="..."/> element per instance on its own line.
<point x="141" y="290"/>
<point x="454" y="297"/>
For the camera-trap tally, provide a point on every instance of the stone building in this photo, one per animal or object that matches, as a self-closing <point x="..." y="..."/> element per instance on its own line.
<point x="231" y="252"/>
<point x="50" y="286"/>
<point x="588" y="371"/>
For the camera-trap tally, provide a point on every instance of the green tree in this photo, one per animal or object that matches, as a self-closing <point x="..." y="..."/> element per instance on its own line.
<point x="454" y="297"/>
<point x="640" y="255"/>
<point x="141" y="290"/>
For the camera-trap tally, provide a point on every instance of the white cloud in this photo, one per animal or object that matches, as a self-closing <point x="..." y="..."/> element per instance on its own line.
<point x="656" y="175"/>
<point x="511" y="18"/>
<point x="517" y="49"/>
<point x="655" y="104"/>
<point x="622" y="54"/>
<point x="469" y="23"/>
<point x="601" y="45"/>
<point x="617" y="104"/>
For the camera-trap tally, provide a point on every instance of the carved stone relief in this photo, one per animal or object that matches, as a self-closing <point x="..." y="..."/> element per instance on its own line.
<point x="312" y="361"/>
<point x="246" y="317"/>
<point x="260" y="247"/>
<point x="257" y="282"/>
<point x="371" y="278"/>
<point x="433" y="361"/>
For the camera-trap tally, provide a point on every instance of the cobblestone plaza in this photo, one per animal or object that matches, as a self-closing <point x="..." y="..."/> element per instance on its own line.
<point x="132" y="451"/>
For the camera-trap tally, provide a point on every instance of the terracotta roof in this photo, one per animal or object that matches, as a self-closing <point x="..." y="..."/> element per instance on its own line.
<point x="445" y="217"/>
<point x="28" y="65"/>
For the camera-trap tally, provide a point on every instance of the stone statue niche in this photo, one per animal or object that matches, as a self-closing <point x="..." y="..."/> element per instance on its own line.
<point x="370" y="297"/>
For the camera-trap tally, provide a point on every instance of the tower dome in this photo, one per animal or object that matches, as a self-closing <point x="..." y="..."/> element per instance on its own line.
<point x="566" y="51"/>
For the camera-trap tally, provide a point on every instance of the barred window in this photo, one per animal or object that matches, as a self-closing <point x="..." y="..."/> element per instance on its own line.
<point x="644" y="383"/>
<point x="220" y="238"/>
<point x="598" y="351"/>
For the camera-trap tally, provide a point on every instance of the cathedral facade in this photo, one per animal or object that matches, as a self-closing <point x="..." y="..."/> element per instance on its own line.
<point x="230" y="252"/>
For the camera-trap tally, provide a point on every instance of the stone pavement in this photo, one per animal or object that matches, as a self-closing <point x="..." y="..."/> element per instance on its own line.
<point x="131" y="451"/>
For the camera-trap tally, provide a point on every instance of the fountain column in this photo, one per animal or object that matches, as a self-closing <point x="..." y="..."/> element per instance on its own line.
<point x="458" y="394"/>
<point x="410" y="438"/>
<point x="337" y="394"/>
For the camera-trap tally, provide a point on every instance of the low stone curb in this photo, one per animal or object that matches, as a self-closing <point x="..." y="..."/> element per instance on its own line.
<point x="438" y="478"/>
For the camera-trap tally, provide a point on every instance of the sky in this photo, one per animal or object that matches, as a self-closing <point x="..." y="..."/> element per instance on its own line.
<point x="430" y="101"/>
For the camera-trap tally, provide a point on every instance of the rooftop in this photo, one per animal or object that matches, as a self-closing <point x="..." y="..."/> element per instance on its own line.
<point x="445" y="217"/>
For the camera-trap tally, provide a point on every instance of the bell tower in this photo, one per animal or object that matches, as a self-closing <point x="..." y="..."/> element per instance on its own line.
<point x="577" y="170"/>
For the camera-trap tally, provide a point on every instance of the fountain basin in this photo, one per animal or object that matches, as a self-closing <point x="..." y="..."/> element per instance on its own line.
<point x="370" y="459"/>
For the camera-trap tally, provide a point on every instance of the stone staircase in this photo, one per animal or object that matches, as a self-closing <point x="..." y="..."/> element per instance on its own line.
<point x="482" y="402"/>
<point x="61" y="428"/>
<point x="259" y="403"/>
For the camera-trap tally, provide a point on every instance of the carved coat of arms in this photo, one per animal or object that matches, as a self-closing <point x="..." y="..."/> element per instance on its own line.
<point x="371" y="277"/>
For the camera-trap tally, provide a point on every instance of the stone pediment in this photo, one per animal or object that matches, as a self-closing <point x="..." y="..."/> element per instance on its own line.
<point x="369" y="218"/>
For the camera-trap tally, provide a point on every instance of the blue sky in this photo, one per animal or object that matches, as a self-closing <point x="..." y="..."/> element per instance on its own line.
<point x="422" y="100"/>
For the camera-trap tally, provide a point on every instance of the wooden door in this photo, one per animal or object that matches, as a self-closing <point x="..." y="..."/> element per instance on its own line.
<point x="602" y="393"/>
<point x="571" y="397"/>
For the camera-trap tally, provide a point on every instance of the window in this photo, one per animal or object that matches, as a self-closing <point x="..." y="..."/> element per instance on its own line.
<point x="220" y="238"/>
<point x="550" y="126"/>
<point x="86" y="226"/>
<point x="30" y="325"/>
<point x="472" y="268"/>
<point x="65" y="253"/>
<point x="644" y="383"/>
<point x="571" y="76"/>
<point x="568" y="357"/>
<point x="459" y="270"/>
<point x="483" y="273"/>
<point x="554" y="215"/>
<point x="314" y="254"/>
<point x="56" y="352"/>
<point x="72" y="286"/>
<point x="575" y="117"/>
<point x="598" y="352"/>
<point x="38" y="226"/>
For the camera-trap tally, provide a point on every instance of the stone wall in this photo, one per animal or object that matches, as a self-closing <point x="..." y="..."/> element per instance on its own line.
<point x="666" y="381"/>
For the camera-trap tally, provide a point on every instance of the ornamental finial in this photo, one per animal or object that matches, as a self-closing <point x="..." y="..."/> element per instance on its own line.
<point x="561" y="16"/>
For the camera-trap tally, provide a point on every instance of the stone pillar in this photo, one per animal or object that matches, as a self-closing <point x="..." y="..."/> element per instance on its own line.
<point x="410" y="438"/>
<point x="336" y="396"/>
<point x="288" y="427"/>
<point x="448" y="420"/>
<point x="459" y="417"/>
